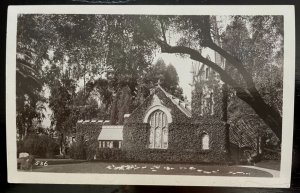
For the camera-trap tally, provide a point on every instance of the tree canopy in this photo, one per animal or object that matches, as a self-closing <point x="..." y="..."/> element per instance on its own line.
<point x="109" y="58"/>
<point x="92" y="66"/>
<point x="204" y="35"/>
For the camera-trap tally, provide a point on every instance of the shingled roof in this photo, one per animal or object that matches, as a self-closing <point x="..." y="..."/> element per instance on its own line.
<point x="183" y="106"/>
<point x="111" y="132"/>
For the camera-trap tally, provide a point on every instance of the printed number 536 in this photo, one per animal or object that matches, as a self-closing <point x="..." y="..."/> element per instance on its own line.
<point x="41" y="163"/>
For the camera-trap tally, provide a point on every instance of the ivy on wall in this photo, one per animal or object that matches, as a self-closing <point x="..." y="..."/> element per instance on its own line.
<point x="137" y="116"/>
<point x="88" y="130"/>
<point x="184" y="137"/>
<point x="87" y="136"/>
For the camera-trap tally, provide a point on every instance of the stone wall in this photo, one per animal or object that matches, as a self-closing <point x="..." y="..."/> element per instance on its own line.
<point x="184" y="144"/>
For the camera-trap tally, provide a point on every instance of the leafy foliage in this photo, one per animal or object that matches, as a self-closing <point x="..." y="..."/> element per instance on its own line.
<point x="259" y="47"/>
<point x="78" y="150"/>
<point x="38" y="145"/>
<point x="166" y="76"/>
<point x="107" y="59"/>
<point x="240" y="77"/>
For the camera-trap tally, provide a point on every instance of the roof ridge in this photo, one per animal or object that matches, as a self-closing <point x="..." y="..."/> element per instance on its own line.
<point x="183" y="108"/>
<point x="170" y="94"/>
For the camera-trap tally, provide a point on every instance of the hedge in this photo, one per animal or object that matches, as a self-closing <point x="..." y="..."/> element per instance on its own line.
<point x="155" y="155"/>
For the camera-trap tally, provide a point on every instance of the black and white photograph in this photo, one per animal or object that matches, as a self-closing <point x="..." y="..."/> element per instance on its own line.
<point x="178" y="95"/>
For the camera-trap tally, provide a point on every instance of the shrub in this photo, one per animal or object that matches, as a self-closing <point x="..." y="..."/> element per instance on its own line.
<point x="271" y="155"/>
<point x="39" y="145"/>
<point x="78" y="150"/>
<point x="84" y="149"/>
<point x="111" y="155"/>
<point x="20" y="147"/>
<point x="91" y="148"/>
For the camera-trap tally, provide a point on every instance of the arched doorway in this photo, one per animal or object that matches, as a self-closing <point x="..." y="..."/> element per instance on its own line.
<point x="158" y="138"/>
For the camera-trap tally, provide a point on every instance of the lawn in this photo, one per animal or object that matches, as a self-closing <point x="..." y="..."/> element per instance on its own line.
<point x="270" y="164"/>
<point x="147" y="168"/>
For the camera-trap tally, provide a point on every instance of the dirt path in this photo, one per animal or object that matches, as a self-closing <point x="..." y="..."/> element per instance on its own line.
<point x="275" y="173"/>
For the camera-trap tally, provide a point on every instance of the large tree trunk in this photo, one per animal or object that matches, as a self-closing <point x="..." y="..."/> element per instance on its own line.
<point x="267" y="113"/>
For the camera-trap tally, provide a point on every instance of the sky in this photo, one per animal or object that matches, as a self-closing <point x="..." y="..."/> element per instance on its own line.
<point x="183" y="66"/>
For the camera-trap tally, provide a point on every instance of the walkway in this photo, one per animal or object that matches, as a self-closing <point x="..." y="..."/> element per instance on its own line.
<point x="275" y="173"/>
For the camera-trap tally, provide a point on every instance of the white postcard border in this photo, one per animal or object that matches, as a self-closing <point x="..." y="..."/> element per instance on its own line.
<point x="133" y="179"/>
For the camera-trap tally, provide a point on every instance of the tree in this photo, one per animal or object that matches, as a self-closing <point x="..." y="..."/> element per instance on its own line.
<point x="167" y="77"/>
<point x="199" y="27"/>
<point x="121" y="105"/>
<point x="103" y="51"/>
<point x="254" y="48"/>
<point x="62" y="93"/>
<point x="29" y="83"/>
<point x="120" y="49"/>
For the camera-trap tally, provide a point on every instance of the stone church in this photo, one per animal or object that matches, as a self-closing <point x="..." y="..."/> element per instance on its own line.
<point x="165" y="128"/>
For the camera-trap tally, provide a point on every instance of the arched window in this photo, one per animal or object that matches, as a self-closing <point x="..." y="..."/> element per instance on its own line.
<point x="158" y="138"/>
<point x="205" y="141"/>
<point x="207" y="105"/>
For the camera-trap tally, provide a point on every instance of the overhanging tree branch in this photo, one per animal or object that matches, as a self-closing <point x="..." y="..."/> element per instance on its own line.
<point x="235" y="63"/>
<point x="195" y="55"/>
<point x="248" y="94"/>
<point x="269" y="115"/>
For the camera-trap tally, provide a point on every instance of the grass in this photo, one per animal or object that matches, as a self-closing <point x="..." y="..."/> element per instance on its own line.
<point x="58" y="161"/>
<point x="271" y="164"/>
<point x="147" y="168"/>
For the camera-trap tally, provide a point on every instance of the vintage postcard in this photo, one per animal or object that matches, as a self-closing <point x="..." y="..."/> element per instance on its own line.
<point x="150" y="95"/>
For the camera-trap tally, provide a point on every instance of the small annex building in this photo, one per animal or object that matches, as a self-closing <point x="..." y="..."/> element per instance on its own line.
<point x="111" y="136"/>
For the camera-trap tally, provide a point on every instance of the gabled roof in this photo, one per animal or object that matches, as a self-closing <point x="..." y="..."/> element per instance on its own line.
<point x="183" y="106"/>
<point x="111" y="132"/>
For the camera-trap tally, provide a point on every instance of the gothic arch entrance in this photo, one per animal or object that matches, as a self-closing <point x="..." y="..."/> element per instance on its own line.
<point x="158" y="138"/>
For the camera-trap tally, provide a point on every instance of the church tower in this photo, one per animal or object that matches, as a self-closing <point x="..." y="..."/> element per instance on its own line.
<point x="210" y="97"/>
<point x="207" y="88"/>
